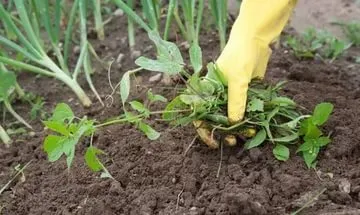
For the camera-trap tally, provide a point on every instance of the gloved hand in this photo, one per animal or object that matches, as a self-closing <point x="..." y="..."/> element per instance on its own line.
<point x="247" y="51"/>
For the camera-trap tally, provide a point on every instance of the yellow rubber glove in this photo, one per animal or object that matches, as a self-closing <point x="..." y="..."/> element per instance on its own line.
<point x="247" y="52"/>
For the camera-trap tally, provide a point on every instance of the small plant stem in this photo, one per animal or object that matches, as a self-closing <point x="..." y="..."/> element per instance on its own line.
<point x="221" y="158"/>
<point x="17" y="116"/>
<point x="80" y="93"/>
<point x="131" y="30"/>
<point x="20" y="92"/>
<point x="99" y="26"/>
<point x="170" y="13"/>
<point x="122" y="120"/>
<point x="231" y="127"/>
<point x="118" y="121"/>
<point x="4" y="137"/>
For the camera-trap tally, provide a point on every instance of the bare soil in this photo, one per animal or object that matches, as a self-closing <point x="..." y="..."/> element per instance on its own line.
<point x="155" y="177"/>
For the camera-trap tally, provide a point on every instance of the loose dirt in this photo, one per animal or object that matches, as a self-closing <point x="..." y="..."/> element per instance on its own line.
<point x="154" y="177"/>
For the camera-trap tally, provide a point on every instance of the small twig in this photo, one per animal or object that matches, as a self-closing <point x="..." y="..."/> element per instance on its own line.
<point x="15" y="176"/>
<point x="221" y="157"/>
<point x="318" y="175"/>
<point x="190" y="145"/>
<point x="178" y="199"/>
<point x="309" y="202"/>
<point x="109" y="74"/>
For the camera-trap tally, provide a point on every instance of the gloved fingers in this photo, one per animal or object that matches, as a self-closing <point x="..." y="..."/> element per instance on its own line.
<point x="205" y="134"/>
<point x="262" y="62"/>
<point x="237" y="95"/>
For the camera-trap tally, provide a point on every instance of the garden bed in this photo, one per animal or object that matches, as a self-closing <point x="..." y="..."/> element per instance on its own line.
<point x="155" y="177"/>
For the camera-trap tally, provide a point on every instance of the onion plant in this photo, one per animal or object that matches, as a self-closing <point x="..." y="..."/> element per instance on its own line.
<point x="190" y="23"/>
<point x="34" y="48"/>
<point x="4" y="137"/>
<point x="220" y="13"/>
<point x="99" y="25"/>
<point x="8" y="87"/>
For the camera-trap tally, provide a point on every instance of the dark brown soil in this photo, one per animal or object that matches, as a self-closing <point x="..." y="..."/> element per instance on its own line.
<point x="154" y="177"/>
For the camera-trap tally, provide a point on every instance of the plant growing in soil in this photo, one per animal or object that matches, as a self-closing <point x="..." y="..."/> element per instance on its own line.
<point x="33" y="16"/>
<point x="269" y="118"/>
<point x="220" y="14"/>
<point x="69" y="130"/>
<point x="9" y="87"/>
<point x="317" y="43"/>
<point x="351" y="31"/>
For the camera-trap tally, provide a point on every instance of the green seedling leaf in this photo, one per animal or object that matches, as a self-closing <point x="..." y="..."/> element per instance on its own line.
<point x="309" y="129"/>
<point x="154" y="97"/>
<point x="166" y="50"/>
<point x="255" y="105"/>
<point x="161" y="65"/>
<point x="139" y="107"/>
<point x="148" y="131"/>
<point x="196" y="57"/>
<point x="206" y="88"/>
<point x="175" y="104"/>
<point x="125" y="87"/>
<point x="283" y="101"/>
<point x="306" y="146"/>
<point x="92" y="160"/>
<point x="257" y="140"/>
<point x="7" y="82"/>
<point x="310" y="156"/>
<point x="215" y="74"/>
<point x="192" y="99"/>
<point x="281" y="152"/>
<point x="323" y="141"/>
<point x="53" y="146"/>
<point x="293" y="123"/>
<point x="56" y="126"/>
<point x="287" y="139"/>
<point x="322" y="113"/>
<point x="61" y="113"/>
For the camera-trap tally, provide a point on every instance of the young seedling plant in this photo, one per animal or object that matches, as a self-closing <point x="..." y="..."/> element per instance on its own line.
<point x="314" y="43"/>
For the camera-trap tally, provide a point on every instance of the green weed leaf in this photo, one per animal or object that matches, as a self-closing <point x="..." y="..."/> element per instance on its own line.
<point x="323" y="141"/>
<point x="57" y="126"/>
<point x="191" y="99"/>
<point x="175" y="104"/>
<point x="61" y="113"/>
<point x="215" y="74"/>
<point x="160" y="65"/>
<point x="92" y="160"/>
<point x="166" y="50"/>
<point x="287" y="139"/>
<point x="154" y="97"/>
<point x="306" y="146"/>
<point x="310" y="156"/>
<point x="255" y="105"/>
<point x="283" y="101"/>
<point x="196" y="57"/>
<point x="322" y="113"/>
<point x="53" y="146"/>
<point x="257" y="140"/>
<point x="281" y="152"/>
<point x="149" y="131"/>
<point x="139" y="107"/>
